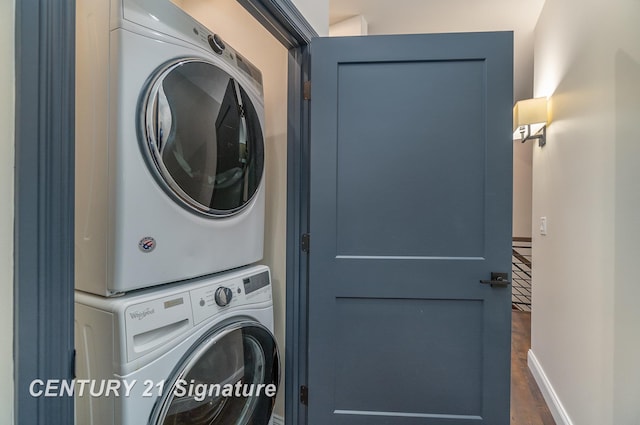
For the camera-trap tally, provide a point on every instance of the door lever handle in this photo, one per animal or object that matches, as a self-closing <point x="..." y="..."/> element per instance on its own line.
<point x="497" y="279"/>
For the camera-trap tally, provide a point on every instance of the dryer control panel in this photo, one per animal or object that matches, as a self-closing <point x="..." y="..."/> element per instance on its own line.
<point x="216" y="298"/>
<point x="167" y="18"/>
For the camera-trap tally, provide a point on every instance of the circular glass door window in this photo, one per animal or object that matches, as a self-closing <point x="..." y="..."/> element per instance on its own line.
<point x="228" y="379"/>
<point x="203" y="137"/>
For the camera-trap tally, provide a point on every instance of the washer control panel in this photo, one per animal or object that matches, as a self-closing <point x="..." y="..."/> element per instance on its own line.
<point x="216" y="298"/>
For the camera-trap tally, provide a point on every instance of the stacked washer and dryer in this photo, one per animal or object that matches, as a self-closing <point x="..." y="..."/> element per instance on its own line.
<point x="169" y="219"/>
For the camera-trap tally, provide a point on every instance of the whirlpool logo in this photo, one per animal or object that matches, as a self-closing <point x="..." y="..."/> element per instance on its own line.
<point x="141" y="314"/>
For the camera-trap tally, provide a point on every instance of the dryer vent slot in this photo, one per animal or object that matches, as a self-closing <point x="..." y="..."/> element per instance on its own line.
<point x="150" y="339"/>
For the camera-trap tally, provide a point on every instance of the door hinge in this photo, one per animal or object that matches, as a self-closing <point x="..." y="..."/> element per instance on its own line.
<point x="304" y="395"/>
<point x="305" y="242"/>
<point x="306" y="93"/>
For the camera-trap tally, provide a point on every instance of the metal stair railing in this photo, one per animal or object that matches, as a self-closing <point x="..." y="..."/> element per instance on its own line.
<point x="521" y="274"/>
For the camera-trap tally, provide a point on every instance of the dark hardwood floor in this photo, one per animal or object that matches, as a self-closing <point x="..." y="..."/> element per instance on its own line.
<point x="527" y="404"/>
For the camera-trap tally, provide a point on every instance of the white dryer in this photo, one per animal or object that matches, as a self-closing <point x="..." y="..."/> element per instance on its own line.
<point x="175" y="349"/>
<point x="169" y="149"/>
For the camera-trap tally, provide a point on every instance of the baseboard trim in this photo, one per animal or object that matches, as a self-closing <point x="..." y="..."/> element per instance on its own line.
<point x="553" y="401"/>
<point x="276" y="420"/>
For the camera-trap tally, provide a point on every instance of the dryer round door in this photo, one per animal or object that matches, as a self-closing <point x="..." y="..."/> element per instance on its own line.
<point x="229" y="377"/>
<point x="202" y="137"/>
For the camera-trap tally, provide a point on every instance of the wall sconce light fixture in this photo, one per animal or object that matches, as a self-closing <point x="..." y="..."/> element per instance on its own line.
<point x="530" y="120"/>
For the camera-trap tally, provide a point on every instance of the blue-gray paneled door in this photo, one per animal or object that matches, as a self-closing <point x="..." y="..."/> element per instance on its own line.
<point x="410" y="207"/>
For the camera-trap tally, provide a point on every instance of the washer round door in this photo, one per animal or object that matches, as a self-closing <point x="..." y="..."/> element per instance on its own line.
<point x="202" y="137"/>
<point x="228" y="378"/>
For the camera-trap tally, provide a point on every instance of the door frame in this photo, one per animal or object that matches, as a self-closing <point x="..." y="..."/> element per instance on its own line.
<point x="283" y="20"/>
<point x="43" y="337"/>
<point x="44" y="207"/>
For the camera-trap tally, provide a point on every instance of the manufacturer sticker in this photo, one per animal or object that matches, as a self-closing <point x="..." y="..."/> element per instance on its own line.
<point x="147" y="244"/>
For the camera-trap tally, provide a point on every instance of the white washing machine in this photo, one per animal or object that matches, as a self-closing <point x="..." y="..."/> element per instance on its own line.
<point x="169" y="149"/>
<point x="169" y="354"/>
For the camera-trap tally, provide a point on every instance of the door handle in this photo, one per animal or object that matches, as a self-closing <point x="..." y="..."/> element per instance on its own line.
<point x="497" y="279"/>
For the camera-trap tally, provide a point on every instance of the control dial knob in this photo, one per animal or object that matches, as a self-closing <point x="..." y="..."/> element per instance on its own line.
<point x="223" y="296"/>
<point x="216" y="43"/>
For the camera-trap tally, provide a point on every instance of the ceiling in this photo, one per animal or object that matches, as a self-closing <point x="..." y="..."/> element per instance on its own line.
<point x="436" y="16"/>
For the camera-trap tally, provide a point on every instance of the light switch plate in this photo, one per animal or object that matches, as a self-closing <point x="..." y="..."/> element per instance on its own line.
<point x="543" y="226"/>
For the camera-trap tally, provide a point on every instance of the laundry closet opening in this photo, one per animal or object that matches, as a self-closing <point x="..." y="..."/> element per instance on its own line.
<point x="181" y="200"/>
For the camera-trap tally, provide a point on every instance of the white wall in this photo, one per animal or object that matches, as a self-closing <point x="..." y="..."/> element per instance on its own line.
<point x="522" y="163"/>
<point x="355" y="25"/>
<point x="7" y="86"/>
<point x="626" y="343"/>
<point x="316" y="12"/>
<point x="585" y="181"/>
<point x="240" y="30"/>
